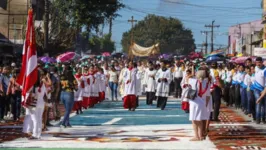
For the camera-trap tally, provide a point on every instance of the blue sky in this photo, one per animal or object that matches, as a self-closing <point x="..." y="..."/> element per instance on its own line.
<point x="194" y="14"/>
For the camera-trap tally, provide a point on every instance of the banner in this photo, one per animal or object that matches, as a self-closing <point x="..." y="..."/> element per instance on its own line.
<point x="144" y="51"/>
<point x="260" y="52"/>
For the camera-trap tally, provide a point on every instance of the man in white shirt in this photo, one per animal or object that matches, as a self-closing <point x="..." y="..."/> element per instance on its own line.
<point x="178" y="76"/>
<point x="259" y="85"/>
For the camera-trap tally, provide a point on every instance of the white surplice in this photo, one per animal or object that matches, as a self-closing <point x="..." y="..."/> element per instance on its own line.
<point x="88" y="79"/>
<point x="149" y="81"/>
<point x="130" y="87"/>
<point x="163" y="87"/>
<point x="102" y="83"/>
<point x="121" y="80"/>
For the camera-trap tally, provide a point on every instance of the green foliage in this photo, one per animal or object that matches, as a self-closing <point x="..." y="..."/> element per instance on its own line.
<point x="101" y="44"/>
<point x="169" y="32"/>
<point x="61" y="34"/>
<point x="88" y="13"/>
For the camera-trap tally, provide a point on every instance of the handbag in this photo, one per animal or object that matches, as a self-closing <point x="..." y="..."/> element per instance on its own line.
<point x="192" y="94"/>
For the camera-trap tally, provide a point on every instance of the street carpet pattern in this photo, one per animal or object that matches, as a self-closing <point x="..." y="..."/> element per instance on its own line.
<point x="114" y="136"/>
<point x="11" y="130"/>
<point x="234" y="132"/>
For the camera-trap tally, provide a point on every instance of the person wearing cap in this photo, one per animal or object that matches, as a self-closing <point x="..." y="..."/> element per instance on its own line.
<point x="163" y="79"/>
<point x="259" y="85"/>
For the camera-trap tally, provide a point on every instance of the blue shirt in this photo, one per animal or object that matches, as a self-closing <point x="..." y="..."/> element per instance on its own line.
<point x="4" y="80"/>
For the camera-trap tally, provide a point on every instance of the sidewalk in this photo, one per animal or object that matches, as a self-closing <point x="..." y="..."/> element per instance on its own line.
<point x="235" y="131"/>
<point x="12" y="130"/>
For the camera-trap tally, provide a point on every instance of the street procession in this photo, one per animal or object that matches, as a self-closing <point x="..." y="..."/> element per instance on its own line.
<point x="120" y="74"/>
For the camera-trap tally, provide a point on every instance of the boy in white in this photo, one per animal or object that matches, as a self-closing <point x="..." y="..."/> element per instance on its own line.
<point x="150" y="83"/>
<point x="130" y="76"/>
<point x="163" y="78"/>
<point x="259" y="84"/>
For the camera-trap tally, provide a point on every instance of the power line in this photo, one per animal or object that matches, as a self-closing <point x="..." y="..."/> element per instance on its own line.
<point x="201" y="6"/>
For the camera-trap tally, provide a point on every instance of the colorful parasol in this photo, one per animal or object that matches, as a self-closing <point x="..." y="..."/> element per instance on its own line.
<point x="46" y="59"/>
<point x="85" y="57"/>
<point x="194" y="55"/>
<point x="214" y="59"/>
<point x="106" y="54"/>
<point x="241" y="60"/>
<point x="68" y="56"/>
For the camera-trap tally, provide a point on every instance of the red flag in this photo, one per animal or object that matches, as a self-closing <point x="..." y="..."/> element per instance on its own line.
<point x="29" y="72"/>
<point x="21" y="76"/>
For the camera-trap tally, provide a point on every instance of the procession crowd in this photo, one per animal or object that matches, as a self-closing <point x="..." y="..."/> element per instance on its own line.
<point x="83" y="85"/>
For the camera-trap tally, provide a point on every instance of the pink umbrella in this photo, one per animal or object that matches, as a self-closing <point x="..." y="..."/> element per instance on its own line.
<point x="106" y="54"/>
<point x="241" y="60"/>
<point x="68" y="56"/>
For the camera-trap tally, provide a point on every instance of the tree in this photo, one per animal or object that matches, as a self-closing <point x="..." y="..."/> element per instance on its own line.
<point x="169" y="32"/>
<point x="101" y="44"/>
<point x="61" y="33"/>
<point x="89" y="13"/>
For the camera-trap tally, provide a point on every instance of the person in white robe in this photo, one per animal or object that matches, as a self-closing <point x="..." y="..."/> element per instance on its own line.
<point x="121" y="80"/>
<point x="96" y="85"/>
<point x="87" y="92"/>
<point x="163" y="79"/>
<point x="37" y="112"/>
<point x="78" y="94"/>
<point x="150" y="83"/>
<point x="103" y="84"/>
<point x="130" y="77"/>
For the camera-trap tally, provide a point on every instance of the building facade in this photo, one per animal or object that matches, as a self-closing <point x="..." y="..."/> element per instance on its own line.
<point x="13" y="17"/>
<point x="244" y="37"/>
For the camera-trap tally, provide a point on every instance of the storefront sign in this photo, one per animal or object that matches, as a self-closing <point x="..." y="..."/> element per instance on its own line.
<point x="260" y="52"/>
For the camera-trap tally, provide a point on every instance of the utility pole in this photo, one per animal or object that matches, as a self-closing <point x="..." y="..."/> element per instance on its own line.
<point x="132" y="21"/>
<point x="206" y="40"/>
<point x="46" y="24"/>
<point x="212" y="26"/>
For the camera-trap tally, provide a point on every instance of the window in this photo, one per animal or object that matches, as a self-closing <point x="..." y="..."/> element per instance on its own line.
<point x="3" y="4"/>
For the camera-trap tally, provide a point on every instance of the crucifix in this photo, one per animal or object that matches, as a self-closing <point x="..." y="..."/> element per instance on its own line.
<point x="132" y="21"/>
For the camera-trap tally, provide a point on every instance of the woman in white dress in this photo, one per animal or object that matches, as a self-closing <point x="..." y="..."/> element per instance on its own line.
<point x="37" y="112"/>
<point x="197" y="107"/>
